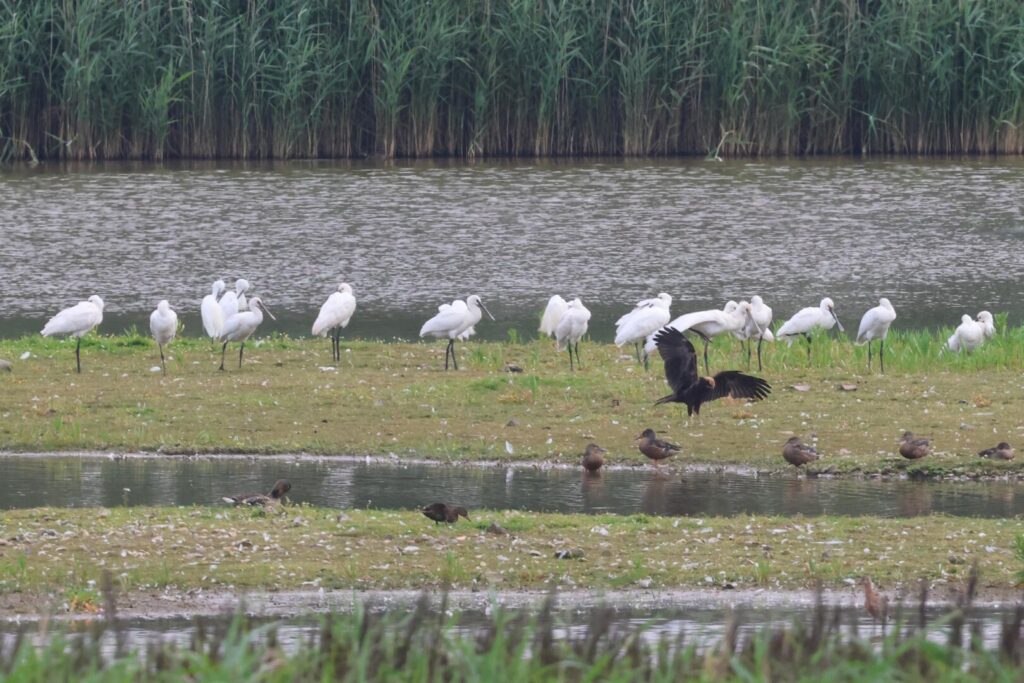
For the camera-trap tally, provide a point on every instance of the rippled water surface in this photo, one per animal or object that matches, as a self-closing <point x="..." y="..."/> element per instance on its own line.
<point x="77" y="482"/>
<point x="940" y="238"/>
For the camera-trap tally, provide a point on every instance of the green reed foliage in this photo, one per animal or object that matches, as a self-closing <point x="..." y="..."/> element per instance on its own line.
<point x="423" y="645"/>
<point x="92" y="79"/>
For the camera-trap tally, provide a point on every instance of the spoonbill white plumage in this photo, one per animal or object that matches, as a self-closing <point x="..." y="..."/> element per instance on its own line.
<point x="240" y="327"/>
<point x="985" y="318"/>
<point x="453" y="321"/>
<point x="76" y="320"/>
<point x="241" y="287"/>
<point x="646" y="318"/>
<point x="213" y="316"/>
<point x="757" y="326"/>
<point x="571" y="327"/>
<point x="875" y="325"/>
<point x="334" y="315"/>
<point x="969" y="335"/>
<point x="808" y="319"/>
<point x="708" y="324"/>
<point x="163" y="323"/>
<point x="553" y="312"/>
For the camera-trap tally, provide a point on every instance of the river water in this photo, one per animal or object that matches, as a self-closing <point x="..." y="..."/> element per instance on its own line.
<point x="938" y="237"/>
<point x="89" y="482"/>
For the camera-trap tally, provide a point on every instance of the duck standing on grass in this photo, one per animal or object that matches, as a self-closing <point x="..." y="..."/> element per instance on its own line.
<point x="281" y="487"/>
<point x="442" y="512"/>
<point x="913" y="449"/>
<point x="798" y="453"/>
<point x="593" y="457"/>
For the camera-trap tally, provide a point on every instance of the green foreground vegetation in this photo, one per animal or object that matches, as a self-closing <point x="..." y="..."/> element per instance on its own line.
<point x="319" y="78"/>
<point x="55" y="557"/>
<point x="425" y="646"/>
<point x="386" y="398"/>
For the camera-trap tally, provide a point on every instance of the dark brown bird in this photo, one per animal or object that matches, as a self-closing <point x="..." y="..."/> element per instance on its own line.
<point x="1002" y="451"/>
<point x="593" y="457"/>
<point x="681" y="374"/>
<point x="798" y="453"/>
<point x="281" y="487"/>
<point x="875" y="603"/>
<point x="442" y="512"/>
<point x="911" y="448"/>
<point x="654" y="448"/>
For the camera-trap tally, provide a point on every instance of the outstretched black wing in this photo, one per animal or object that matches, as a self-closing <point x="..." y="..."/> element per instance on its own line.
<point x="679" y="356"/>
<point x="736" y="384"/>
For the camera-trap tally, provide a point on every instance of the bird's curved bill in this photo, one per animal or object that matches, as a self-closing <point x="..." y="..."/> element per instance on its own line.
<point x="486" y="311"/>
<point x="839" y="324"/>
<point x="267" y="311"/>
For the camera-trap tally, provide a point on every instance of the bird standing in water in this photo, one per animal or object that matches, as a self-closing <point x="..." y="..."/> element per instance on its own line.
<point x="593" y="457"/>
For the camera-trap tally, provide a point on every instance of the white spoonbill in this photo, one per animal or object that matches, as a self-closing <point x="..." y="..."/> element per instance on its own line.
<point x="571" y="328"/>
<point x="875" y="325"/>
<point x="229" y="302"/>
<point x="76" y="320"/>
<point x="985" y="318"/>
<point x="758" y="326"/>
<point x="969" y="335"/>
<point x="806" y="320"/>
<point x="453" y="321"/>
<point x="163" y="323"/>
<point x="213" y="316"/>
<point x="553" y="312"/>
<point x="241" y="287"/>
<point x="240" y="327"/>
<point x="708" y="324"/>
<point x="646" y="318"/>
<point x="334" y="315"/>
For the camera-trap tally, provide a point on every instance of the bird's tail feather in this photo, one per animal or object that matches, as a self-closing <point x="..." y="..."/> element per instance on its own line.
<point x="665" y="399"/>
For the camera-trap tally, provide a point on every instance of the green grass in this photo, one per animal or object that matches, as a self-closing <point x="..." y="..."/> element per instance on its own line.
<point x="395" y="398"/>
<point x="62" y="553"/>
<point x="300" y="78"/>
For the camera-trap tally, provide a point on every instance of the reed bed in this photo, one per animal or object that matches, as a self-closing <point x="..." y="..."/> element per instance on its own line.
<point x="88" y="79"/>
<point x="422" y="645"/>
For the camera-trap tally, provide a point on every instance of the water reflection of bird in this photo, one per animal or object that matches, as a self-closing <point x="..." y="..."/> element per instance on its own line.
<point x="1001" y="451"/>
<point x="240" y="327"/>
<point x="646" y="318"/>
<point x="806" y="320"/>
<point x="913" y="449"/>
<point x="281" y="487"/>
<point x="453" y="320"/>
<point x="797" y="453"/>
<point x="593" y="457"/>
<point x="875" y="325"/>
<point x="335" y="315"/>
<point x="76" y="320"/>
<point x="442" y="512"/>
<point x="163" y="324"/>
<point x="654" y="448"/>
<point x="213" y="315"/>
<point x="681" y="374"/>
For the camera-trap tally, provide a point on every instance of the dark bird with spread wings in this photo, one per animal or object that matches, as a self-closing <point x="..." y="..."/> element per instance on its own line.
<point x="681" y="374"/>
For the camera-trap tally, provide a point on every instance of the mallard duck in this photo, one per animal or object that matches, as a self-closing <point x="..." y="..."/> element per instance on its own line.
<point x="911" y="448"/>
<point x="654" y="448"/>
<point x="281" y="487"/>
<point x="593" y="457"/>
<point x="798" y="453"/>
<point x="1002" y="451"/>
<point x="442" y="512"/>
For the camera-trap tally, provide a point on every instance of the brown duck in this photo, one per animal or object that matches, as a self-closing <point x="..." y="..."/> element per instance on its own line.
<point x="593" y="457"/>
<point x="798" y="453"/>
<point x="875" y="603"/>
<point x="911" y="448"/>
<point x="281" y="487"/>
<point x="1002" y="451"/>
<point x="654" y="448"/>
<point x="442" y="512"/>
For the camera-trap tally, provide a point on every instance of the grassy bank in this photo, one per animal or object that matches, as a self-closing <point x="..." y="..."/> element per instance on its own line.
<point x="62" y="553"/>
<point x="395" y="398"/>
<point x="199" y="78"/>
